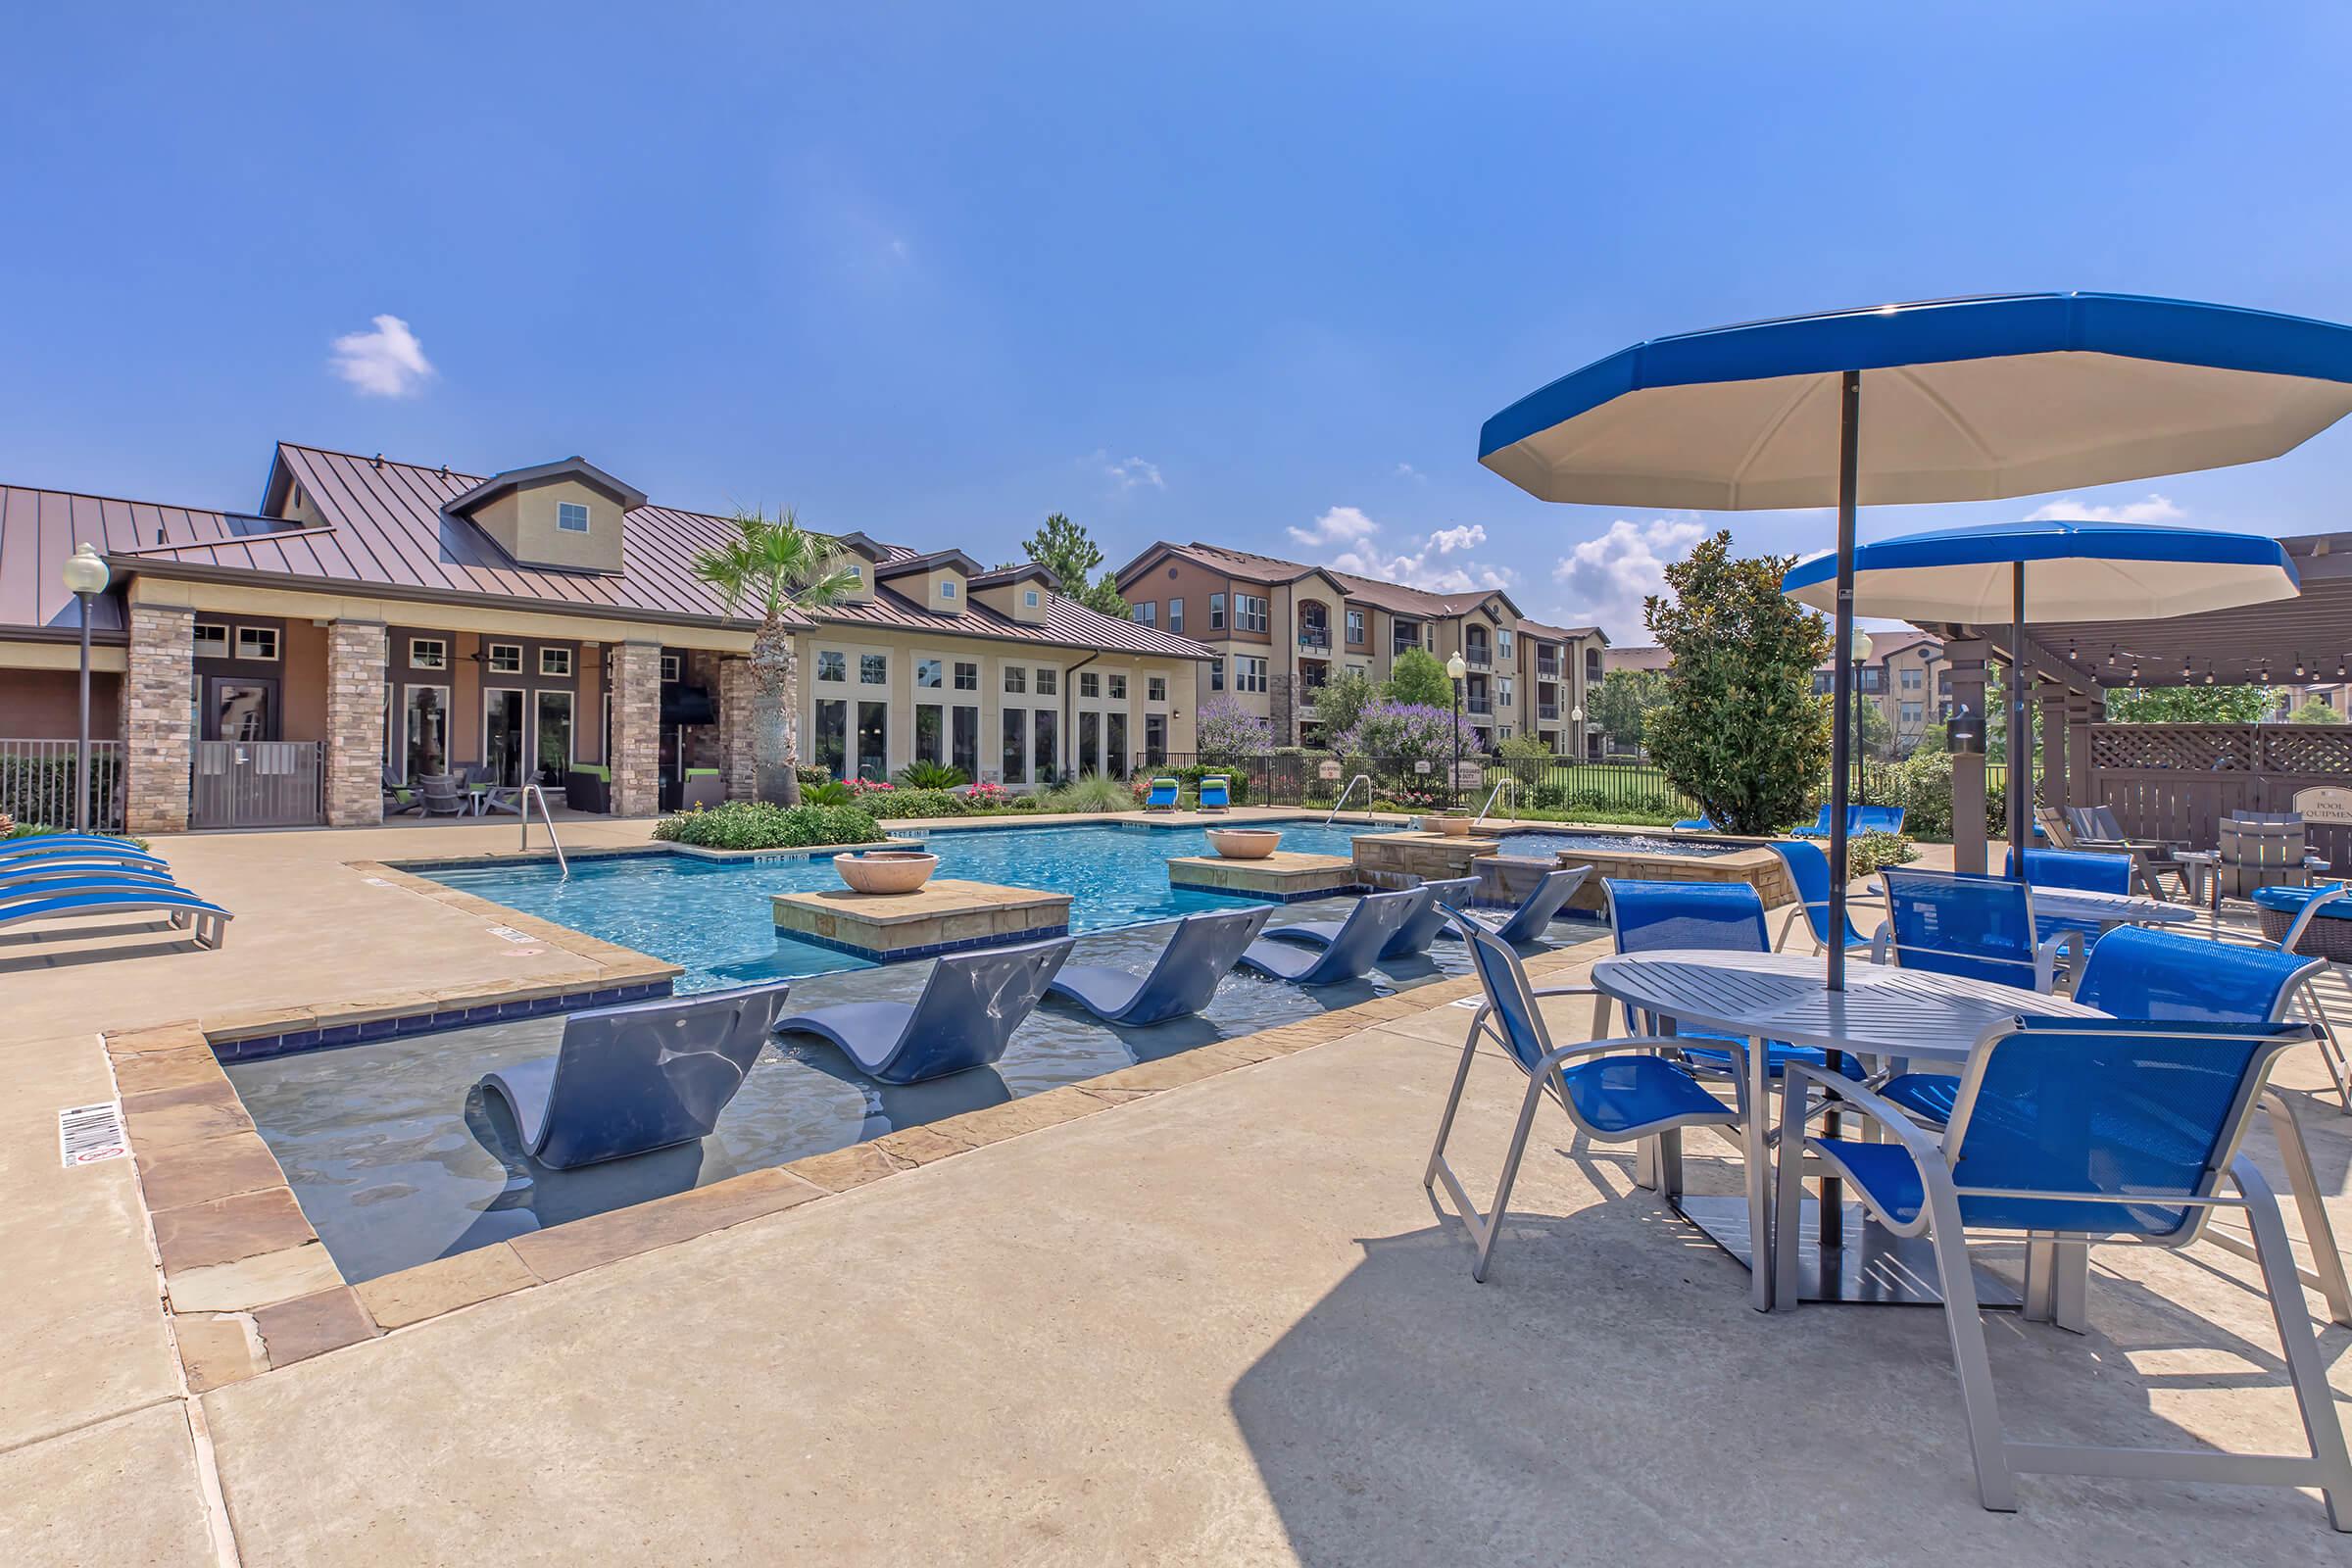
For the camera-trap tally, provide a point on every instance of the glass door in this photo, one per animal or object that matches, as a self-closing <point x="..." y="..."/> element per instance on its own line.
<point x="1114" y="746"/>
<point x="426" y="731"/>
<point x="1090" y="743"/>
<point x="241" y="711"/>
<point x="832" y="724"/>
<point x="502" y="735"/>
<point x="964" y="749"/>
<point x="874" y="751"/>
<point x="554" y="748"/>
<point x="928" y="739"/>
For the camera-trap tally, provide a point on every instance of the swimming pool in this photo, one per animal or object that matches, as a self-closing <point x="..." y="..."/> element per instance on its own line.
<point x="714" y="919"/>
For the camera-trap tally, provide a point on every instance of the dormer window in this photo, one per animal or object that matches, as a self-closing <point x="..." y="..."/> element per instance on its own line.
<point x="1029" y="599"/>
<point x="947" y="588"/>
<point x="854" y="572"/>
<point x="570" y="518"/>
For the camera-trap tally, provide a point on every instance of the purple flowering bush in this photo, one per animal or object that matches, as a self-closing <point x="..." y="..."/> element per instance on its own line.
<point x="1227" y="730"/>
<point x="1406" y="732"/>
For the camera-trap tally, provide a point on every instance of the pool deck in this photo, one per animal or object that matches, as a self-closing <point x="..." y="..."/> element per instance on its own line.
<point x="1199" y="1310"/>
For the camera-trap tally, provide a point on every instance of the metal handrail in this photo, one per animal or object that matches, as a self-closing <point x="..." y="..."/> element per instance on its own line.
<point x="1366" y="779"/>
<point x="532" y="792"/>
<point x="1506" y="782"/>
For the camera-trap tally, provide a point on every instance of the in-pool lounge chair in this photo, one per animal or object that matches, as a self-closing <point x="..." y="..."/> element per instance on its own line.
<point x="1376" y="918"/>
<point x="966" y="1015"/>
<point x="1821" y="824"/>
<point x="28" y="902"/>
<point x="1877" y="819"/>
<point x="1412" y="937"/>
<point x="642" y="1076"/>
<point x="1533" y="914"/>
<point x="1162" y="797"/>
<point x="1200" y="952"/>
<point x="1216" y="794"/>
<point x="1697" y="824"/>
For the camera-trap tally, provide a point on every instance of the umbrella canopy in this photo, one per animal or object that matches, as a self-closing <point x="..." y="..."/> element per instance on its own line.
<point x="1968" y="400"/>
<point x="1946" y="399"/>
<point x="2073" y="571"/>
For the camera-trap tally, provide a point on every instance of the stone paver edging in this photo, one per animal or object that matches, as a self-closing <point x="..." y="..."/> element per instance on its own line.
<point x="250" y="1287"/>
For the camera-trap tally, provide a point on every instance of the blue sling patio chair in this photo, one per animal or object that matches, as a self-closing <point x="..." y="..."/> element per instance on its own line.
<point x="1411" y="937"/>
<point x="1216" y="794"/>
<point x="1616" y="1091"/>
<point x="1162" y="797"/>
<point x="1724" y="916"/>
<point x="642" y="1076"/>
<point x="2085" y="870"/>
<point x="1376" y="917"/>
<point x="1809" y="874"/>
<point x="1200" y="952"/>
<point x="963" y="1019"/>
<point x="1527" y="919"/>
<point x="2083" y="1131"/>
<point x="1967" y="923"/>
<point x="2331" y="943"/>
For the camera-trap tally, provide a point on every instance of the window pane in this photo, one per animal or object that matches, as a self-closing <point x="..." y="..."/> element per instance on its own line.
<point x="1216" y="611"/>
<point x="427" y="729"/>
<point x="832" y="665"/>
<point x="1090" y="684"/>
<point x="965" y="735"/>
<point x="832" y="735"/>
<point x="1119" y="687"/>
<point x="1047" y="761"/>
<point x="1176" y="616"/>
<point x="502" y="736"/>
<point x="927" y="734"/>
<point x="1016" y="758"/>
<point x="926" y="673"/>
<point x="1156" y="689"/>
<point x="553" y="750"/>
<point x="874" y="728"/>
<point x="1090" y="743"/>
<point x="1114" y="745"/>
<point x="873" y="670"/>
<point x="967" y="677"/>
<point x="1048" y="682"/>
<point x="1016" y="678"/>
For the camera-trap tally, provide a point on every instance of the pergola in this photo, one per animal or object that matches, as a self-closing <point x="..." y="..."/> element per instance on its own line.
<point x="2171" y="781"/>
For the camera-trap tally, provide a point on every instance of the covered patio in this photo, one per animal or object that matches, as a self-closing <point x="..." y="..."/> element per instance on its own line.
<point x="2173" y="782"/>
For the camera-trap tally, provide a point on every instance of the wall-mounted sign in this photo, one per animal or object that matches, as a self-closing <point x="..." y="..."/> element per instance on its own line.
<point x="2325" y="803"/>
<point x="1328" y="772"/>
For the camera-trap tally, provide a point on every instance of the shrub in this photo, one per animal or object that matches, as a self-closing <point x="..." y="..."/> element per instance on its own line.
<point x="931" y="776"/>
<point x="759" y="825"/>
<point x="1228" y="731"/>
<point x="1095" y="792"/>
<point x="887" y="805"/>
<point x="1923" y="788"/>
<point x="1027" y="803"/>
<point x="812" y="776"/>
<point x="1865" y="855"/>
<point x="985" y="797"/>
<point x="1401" y="733"/>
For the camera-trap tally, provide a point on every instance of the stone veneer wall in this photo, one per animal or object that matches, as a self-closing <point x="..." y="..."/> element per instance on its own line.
<point x="635" y="752"/>
<point x="736" y="769"/>
<point x="354" y="723"/>
<point x="158" y="716"/>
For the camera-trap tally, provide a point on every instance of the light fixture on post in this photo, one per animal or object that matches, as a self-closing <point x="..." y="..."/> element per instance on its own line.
<point x="1576" y="724"/>
<point x="87" y="578"/>
<point x="1455" y="669"/>
<point x="1861" y="651"/>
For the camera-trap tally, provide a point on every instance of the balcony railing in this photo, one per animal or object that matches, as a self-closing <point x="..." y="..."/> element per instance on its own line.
<point x="1547" y="711"/>
<point x="1314" y="637"/>
<point x="1478" y="705"/>
<point x="1548" y="668"/>
<point x="1478" y="657"/>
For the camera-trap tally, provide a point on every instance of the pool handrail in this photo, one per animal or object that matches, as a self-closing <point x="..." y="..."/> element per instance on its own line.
<point x="532" y="792"/>
<point x="1366" y="779"/>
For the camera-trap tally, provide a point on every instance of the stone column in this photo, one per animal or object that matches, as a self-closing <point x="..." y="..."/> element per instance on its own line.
<point x="633" y="750"/>
<point x="158" y="719"/>
<point x="736" y="770"/>
<point x="355" y="723"/>
<point x="1968" y="772"/>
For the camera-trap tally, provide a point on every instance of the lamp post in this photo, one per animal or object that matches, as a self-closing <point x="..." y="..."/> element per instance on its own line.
<point x="85" y="579"/>
<point x="1455" y="669"/>
<point x="1576" y="728"/>
<point x="1861" y="647"/>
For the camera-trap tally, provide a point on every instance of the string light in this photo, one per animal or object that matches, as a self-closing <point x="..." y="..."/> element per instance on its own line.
<point x="2298" y="666"/>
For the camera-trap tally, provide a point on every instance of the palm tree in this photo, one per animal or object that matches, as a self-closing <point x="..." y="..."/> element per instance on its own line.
<point x="776" y="565"/>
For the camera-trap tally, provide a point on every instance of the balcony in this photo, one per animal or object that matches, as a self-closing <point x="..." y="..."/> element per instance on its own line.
<point x="1318" y="637"/>
<point x="1547" y="711"/>
<point x="1478" y="705"/>
<point x="1547" y="669"/>
<point x="1477" y="656"/>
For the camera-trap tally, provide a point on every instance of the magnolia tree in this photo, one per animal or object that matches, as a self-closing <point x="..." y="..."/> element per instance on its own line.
<point x="1408" y="732"/>
<point x="1225" y="730"/>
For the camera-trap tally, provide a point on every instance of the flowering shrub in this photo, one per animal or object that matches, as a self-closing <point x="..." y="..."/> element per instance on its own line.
<point x="1226" y="730"/>
<point x="1407" y="731"/>
<point x="981" y="796"/>
<point x="870" y="786"/>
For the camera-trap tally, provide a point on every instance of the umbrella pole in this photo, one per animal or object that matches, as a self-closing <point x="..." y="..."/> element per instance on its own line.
<point x="1842" y="684"/>
<point x="2020" y="779"/>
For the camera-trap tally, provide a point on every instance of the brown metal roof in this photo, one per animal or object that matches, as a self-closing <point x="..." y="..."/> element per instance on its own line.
<point x="1066" y="625"/>
<point x="1396" y="598"/>
<point x="40" y="528"/>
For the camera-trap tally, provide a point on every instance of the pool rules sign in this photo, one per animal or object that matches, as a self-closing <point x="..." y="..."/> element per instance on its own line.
<point x="89" y="1134"/>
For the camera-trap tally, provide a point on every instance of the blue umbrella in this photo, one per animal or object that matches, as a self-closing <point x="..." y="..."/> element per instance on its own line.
<point x="1968" y="400"/>
<point x="2064" y="570"/>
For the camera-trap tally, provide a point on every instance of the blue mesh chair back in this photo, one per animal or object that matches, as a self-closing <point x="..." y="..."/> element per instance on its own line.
<point x="2086" y="870"/>
<point x="1650" y="915"/>
<point x="2106" y="1109"/>
<point x="1959" y="922"/>
<point x="1877" y="819"/>
<point x="2139" y="973"/>
<point x="1809" y="871"/>
<point x="1215" y="796"/>
<point x="1504" y="981"/>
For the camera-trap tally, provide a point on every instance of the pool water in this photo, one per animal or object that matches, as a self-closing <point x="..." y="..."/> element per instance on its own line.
<point x="714" y="919"/>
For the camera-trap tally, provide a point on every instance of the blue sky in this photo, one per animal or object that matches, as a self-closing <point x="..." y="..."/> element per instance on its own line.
<point x="1247" y="273"/>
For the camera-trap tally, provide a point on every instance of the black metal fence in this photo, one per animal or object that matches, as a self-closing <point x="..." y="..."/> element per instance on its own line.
<point x="36" y="782"/>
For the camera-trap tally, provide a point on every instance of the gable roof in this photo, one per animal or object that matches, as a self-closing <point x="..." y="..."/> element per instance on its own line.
<point x="1066" y="624"/>
<point x="908" y="561"/>
<point x="1250" y="567"/>
<point x="572" y="468"/>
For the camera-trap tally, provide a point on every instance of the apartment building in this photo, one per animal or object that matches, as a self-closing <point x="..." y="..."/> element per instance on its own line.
<point x="1277" y="630"/>
<point x="1905" y="675"/>
<point x="372" y="622"/>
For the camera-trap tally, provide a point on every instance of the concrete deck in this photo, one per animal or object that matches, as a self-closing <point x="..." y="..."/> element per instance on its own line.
<point x="1204" y="1321"/>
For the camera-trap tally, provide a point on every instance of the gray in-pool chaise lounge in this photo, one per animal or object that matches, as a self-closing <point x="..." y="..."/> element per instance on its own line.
<point x="642" y="1076"/>
<point x="1535" y="913"/>
<point x="1200" y="952"/>
<point x="1411" y="937"/>
<point x="966" y="1015"/>
<point x="1367" y="929"/>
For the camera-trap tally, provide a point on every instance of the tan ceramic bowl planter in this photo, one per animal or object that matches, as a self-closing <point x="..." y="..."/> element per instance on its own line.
<point x="885" y="870"/>
<point x="1243" y="843"/>
<point x="1452" y="828"/>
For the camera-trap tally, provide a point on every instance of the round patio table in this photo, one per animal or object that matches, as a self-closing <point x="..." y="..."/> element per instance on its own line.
<point x="1883" y="1011"/>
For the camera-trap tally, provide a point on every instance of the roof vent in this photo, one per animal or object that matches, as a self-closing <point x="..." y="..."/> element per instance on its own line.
<point x="376" y="461"/>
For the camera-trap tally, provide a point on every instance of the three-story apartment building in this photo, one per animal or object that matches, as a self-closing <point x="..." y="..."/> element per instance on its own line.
<point x="1277" y="630"/>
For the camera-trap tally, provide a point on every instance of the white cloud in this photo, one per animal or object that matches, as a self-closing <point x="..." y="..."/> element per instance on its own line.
<point x="385" y="363"/>
<point x="1424" y="568"/>
<point x="1607" y="578"/>
<point x="1130" y="473"/>
<point x="2156" y="509"/>
<point x="1405" y="470"/>
<point x="1339" y="525"/>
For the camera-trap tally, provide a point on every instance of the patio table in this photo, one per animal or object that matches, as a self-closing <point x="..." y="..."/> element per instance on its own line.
<point x="2109" y="910"/>
<point x="1883" y="1011"/>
